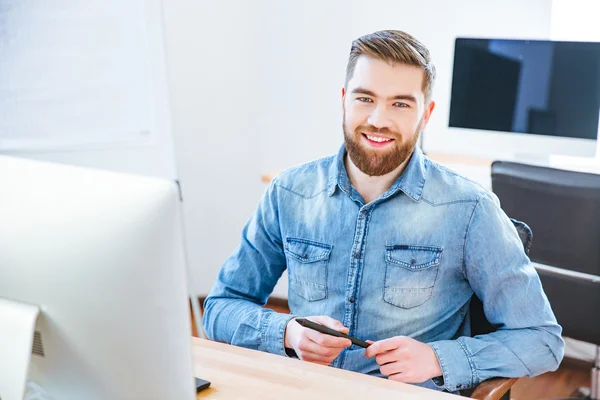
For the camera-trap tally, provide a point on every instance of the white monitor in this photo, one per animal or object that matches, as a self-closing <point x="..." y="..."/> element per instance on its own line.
<point x="525" y="100"/>
<point x="101" y="254"/>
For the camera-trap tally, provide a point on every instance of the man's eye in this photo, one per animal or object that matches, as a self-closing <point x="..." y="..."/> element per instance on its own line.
<point x="401" y="105"/>
<point x="364" y="99"/>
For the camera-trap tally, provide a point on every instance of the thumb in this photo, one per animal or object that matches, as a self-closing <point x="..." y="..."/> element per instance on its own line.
<point x="330" y="323"/>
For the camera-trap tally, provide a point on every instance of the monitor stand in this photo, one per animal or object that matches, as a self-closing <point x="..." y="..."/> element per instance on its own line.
<point x="17" y="326"/>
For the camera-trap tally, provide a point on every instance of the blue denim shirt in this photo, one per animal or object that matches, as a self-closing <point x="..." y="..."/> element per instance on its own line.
<point x="406" y="263"/>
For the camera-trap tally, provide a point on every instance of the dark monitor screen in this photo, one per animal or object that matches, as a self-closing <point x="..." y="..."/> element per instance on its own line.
<point x="526" y="86"/>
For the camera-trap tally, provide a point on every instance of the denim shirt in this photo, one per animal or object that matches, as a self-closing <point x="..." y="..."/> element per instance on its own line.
<point x="406" y="263"/>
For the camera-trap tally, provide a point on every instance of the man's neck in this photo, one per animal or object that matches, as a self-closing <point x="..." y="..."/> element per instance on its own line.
<point x="371" y="187"/>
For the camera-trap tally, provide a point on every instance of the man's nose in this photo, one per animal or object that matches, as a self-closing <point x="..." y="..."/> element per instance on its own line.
<point x="380" y="117"/>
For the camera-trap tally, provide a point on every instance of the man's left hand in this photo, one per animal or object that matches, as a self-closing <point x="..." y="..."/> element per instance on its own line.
<point x="404" y="359"/>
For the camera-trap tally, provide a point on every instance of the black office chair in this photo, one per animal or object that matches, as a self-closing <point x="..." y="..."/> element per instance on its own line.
<point x="563" y="209"/>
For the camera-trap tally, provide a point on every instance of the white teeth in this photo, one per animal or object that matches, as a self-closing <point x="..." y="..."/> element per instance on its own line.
<point x="377" y="139"/>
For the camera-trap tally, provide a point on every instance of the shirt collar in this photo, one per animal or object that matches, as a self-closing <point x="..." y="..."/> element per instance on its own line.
<point x="411" y="182"/>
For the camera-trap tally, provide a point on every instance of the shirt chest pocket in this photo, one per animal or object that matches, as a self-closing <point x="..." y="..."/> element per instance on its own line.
<point x="307" y="267"/>
<point x="411" y="272"/>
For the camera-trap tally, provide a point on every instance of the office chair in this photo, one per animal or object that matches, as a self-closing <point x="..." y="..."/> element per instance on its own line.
<point x="563" y="209"/>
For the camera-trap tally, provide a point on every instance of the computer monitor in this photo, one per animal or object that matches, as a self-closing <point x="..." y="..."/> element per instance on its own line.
<point x="101" y="254"/>
<point x="525" y="100"/>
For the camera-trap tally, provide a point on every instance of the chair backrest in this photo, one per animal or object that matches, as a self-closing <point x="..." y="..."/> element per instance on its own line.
<point x="479" y="323"/>
<point x="563" y="209"/>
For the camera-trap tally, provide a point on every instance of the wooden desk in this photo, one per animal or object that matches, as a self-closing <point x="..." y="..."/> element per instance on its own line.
<point x="238" y="373"/>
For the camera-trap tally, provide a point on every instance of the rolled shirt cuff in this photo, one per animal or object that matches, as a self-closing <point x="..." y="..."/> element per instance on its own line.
<point x="456" y="364"/>
<point x="273" y="332"/>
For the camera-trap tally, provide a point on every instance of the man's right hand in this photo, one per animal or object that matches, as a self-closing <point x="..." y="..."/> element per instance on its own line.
<point x="314" y="346"/>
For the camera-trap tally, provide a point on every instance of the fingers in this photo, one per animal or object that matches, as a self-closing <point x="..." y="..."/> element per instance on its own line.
<point x="316" y="358"/>
<point x="317" y="347"/>
<point x="405" y="360"/>
<point x="393" y="368"/>
<point x="327" y="340"/>
<point x="330" y="323"/>
<point x="307" y="345"/>
<point x="402" y="377"/>
<point x="385" y="345"/>
<point x="400" y="354"/>
<point x="405" y="377"/>
<point x="310" y="351"/>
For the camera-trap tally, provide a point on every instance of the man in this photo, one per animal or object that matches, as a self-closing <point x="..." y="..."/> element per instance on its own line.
<point x="384" y="244"/>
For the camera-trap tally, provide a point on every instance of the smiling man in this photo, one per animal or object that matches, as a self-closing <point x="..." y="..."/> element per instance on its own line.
<point x="384" y="244"/>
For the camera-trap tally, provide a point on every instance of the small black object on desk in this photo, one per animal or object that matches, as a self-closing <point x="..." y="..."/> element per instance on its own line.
<point x="201" y="384"/>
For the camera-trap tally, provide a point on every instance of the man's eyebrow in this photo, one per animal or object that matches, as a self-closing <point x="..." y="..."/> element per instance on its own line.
<point x="360" y="90"/>
<point x="408" y="97"/>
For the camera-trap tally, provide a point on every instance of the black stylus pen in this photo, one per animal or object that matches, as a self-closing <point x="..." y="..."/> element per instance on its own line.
<point x="323" y="329"/>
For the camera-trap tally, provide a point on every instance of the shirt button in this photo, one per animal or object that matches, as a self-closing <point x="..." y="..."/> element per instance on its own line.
<point x="351" y="299"/>
<point x="458" y="386"/>
<point x="357" y="255"/>
<point x="364" y="211"/>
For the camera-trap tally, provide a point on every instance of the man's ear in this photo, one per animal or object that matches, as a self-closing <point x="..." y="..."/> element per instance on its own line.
<point x="343" y="97"/>
<point x="427" y="114"/>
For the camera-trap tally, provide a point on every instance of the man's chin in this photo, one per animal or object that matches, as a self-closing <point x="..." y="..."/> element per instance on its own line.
<point x="375" y="167"/>
<point x="375" y="171"/>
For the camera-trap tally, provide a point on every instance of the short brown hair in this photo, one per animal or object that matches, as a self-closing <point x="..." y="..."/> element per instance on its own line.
<point x="394" y="47"/>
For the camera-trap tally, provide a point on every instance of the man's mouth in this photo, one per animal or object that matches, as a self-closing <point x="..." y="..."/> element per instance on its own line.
<point x="377" y="140"/>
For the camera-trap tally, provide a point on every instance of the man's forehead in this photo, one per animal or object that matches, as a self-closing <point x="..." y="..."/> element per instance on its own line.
<point x="385" y="79"/>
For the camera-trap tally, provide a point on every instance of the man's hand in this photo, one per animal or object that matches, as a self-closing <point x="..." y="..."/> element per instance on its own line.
<point x="404" y="359"/>
<point x="315" y="346"/>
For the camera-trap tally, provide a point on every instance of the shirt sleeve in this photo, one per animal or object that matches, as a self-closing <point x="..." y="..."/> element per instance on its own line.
<point x="528" y="340"/>
<point x="233" y="309"/>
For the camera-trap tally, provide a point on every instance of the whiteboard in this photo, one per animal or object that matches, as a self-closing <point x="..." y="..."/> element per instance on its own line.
<point x="85" y="83"/>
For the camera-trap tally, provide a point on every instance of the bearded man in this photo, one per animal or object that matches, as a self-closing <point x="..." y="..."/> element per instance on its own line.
<point x="382" y="243"/>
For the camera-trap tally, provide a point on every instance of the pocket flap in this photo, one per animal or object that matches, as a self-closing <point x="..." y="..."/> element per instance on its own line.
<point x="307" y="251"/>
<point x="413" y="257"/>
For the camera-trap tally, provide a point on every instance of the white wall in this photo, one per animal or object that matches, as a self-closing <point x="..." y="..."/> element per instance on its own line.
<point x="575" y="20"/>
<point x="67" y="73"/>
<point x="256" y="87"/>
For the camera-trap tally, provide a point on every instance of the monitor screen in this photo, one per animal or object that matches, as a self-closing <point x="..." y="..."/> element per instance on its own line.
<point x="526" y="86"/>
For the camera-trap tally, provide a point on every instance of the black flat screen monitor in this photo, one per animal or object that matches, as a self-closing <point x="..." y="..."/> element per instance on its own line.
<point x="526" y="86"/>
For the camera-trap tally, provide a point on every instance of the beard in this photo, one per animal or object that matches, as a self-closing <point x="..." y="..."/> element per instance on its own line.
<point x="377" y="162"/>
